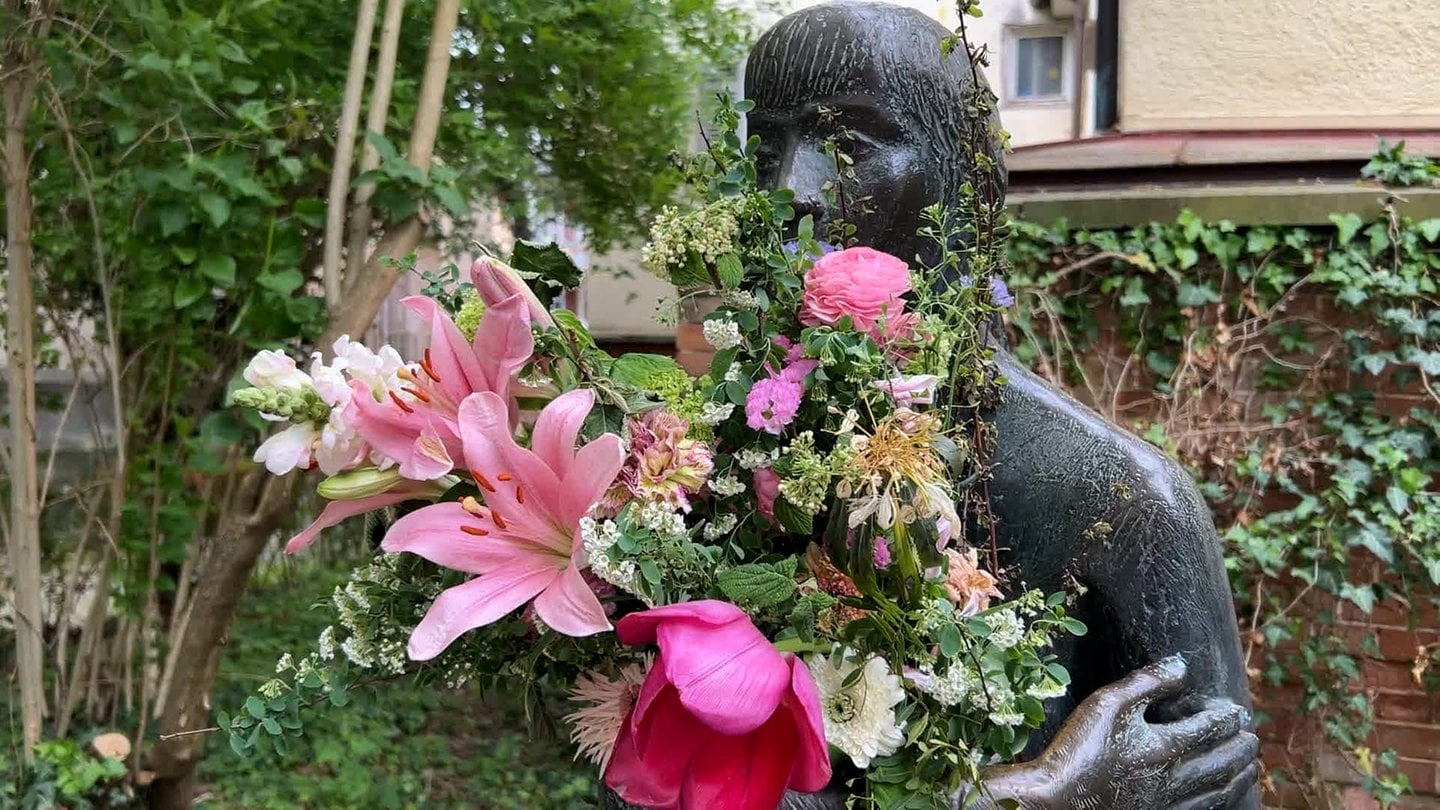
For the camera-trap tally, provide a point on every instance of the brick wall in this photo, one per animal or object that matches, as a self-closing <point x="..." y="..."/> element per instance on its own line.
<point x="1407" y="718"/>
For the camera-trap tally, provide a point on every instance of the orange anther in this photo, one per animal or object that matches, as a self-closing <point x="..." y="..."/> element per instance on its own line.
<point x="483" y="481"/>
<point x="505" y="477"/>
<point x="499" y="521"/>
<point x="474" y="531"/>
<point x="403" y="405"/>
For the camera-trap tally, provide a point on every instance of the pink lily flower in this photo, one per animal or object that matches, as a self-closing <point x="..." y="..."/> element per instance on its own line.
<point x="524" y="543"/>
<point x="722" y="720"/>
<point x="337" y="511"/>
<point x="417" y="426"/>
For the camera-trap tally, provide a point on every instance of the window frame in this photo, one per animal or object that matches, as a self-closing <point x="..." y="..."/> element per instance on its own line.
<point x="1010" y="72"/>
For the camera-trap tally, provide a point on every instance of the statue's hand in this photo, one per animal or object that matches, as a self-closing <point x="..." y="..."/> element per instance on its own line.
<point x="1109" y="755"/>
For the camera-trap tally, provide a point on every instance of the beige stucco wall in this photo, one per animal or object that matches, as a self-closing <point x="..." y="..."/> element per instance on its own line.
<point x="1279" y="64"/>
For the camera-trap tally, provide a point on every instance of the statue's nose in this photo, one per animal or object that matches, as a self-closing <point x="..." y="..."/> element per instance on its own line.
<point x="807" y="170"/>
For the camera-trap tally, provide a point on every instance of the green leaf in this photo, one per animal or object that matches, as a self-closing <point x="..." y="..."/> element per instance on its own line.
<point x="1195" y="295"/>
<point x="638" y="369"/>
<point x="1346" y="226"/>
<point x="216" y="208"/>
<point x="950" y="640"/>
<point x="283" y="282"/>
<point x="1429" y="228"/>
<point x="730" y="271"/>
<point x="254" y="706"/>
<point x="755" y="586"/>
<point x="792" y="518"/>
<point x="219" y="268"/>
<point x="189" y="289"/>
<point x="173" y="218"/>
<point x="570" y="322"/>
<point x="547" y="264"/>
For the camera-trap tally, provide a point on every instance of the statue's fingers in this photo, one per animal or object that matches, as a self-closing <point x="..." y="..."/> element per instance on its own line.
<point x="1231" y="796"/>
<point x="1220" y="719"/>
<point x="1216" y="770"/>
<point x="1149" y="683"/>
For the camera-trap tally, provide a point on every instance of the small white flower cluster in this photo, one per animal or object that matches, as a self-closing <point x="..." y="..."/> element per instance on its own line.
<point x="750" y="458"/>
<point x="666" y="523"/>
<point x="373" y="642"/>
<point x="326" y="644"/>
<point x="708" y="232"/>
<point x="722" y="333"/>
<point x="1006" y="629"/>
<point x="950" y="689"/>
<point x="720" y="526"/>
<point x="739" y="299"/>
<point x="1046" y="689"/>
<point x="598" y="537"/>
<point x="732" y="374"/>
<point x="713" y="413"/>
<point x="726" y="486"/>
<point x="997" y="699"/>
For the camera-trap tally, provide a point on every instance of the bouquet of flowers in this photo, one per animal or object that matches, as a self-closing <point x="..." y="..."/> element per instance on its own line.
<point x="735" y="577"/>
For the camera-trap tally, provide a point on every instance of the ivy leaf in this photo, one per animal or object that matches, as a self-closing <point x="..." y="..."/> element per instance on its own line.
<point x="173" y="219"/>
<point x="1429" y="228"/>
<point x="1195" y="295"/>
<point x="755" y="586"/>
<point x="1362" y="595"/>
<point x="1346" y="226"/>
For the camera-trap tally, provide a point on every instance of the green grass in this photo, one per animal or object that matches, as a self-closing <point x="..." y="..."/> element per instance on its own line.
<point x="399" y="745"/>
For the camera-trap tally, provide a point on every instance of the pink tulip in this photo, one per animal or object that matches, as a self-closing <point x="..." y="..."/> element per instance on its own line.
<point x="417" y="425"/>
<point x="722" y="720"/>
<point x="524" y="543"/>
<point x="496" y="281"/>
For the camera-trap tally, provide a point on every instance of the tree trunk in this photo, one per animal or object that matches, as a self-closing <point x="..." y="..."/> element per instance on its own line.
<point x="228" y="561"/>
<point x="375" y="120"/>
<point x="345" y="152"/>
<point x="23" y="541"/>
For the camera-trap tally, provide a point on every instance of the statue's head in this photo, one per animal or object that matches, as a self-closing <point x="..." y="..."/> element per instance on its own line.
<point x="875" y="71"/>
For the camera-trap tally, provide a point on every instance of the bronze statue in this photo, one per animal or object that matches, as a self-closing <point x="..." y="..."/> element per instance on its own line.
<point x="1158" y="714"/>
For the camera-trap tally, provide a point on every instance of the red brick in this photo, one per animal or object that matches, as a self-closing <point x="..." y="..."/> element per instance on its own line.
<point x="1422" y="773"/>
<point x="1416" y="707"/>
<point x="1409" y="740"/>
<point x="1388" y="676"/>
<point x="1356" y="799"/>
<point x="690" y="337"/>
<point x="1416" y="803"/>
<point x="696" y="363"/>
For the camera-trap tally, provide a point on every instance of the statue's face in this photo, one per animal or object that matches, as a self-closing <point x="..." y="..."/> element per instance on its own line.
<point x="891" y="183"/>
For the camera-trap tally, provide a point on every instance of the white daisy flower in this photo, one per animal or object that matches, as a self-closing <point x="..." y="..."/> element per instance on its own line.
<point x="859" y="718"/>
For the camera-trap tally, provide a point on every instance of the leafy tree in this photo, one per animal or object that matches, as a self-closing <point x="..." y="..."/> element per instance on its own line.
<point x="180" y="155"/>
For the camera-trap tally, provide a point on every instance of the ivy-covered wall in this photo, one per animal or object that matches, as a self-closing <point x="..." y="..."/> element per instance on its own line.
<point x="1297" y="371"/>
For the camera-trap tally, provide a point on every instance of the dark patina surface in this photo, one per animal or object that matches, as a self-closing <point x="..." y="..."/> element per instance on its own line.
<point x="1158" y="715"/>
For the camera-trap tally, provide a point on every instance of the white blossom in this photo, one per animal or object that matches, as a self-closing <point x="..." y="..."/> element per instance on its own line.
<point x="713" y="413"/>
<point x="726" y="486"/>
<point x="722" y="333"/>
<point x="859" y="718"/>
<point x="1006" y="629"/>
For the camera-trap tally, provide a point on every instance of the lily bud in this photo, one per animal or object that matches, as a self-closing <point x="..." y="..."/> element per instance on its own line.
<point x="359" y="483"/>
<point x="497" y="281"/>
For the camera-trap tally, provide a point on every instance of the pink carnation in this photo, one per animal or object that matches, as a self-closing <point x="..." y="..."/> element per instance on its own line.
<point x="863" y="283"/>
<point x="662" y="465"/>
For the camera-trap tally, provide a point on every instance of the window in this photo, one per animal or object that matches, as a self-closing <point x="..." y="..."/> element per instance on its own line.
<point x="1036" y="64"/>
<point x="1039" y="67"/>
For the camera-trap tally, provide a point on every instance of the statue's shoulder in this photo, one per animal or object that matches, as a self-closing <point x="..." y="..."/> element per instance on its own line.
<point x="1046" y="435"/>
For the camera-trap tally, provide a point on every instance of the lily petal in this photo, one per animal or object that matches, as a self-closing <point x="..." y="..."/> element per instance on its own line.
<point x="434" y="533"/>
<point x="451" y="356"/>
<point x="503" y="345"/>
<point x="490" y="448"/>
<point x="475" y="603"/>
<point x="593" y="471"/>
<point x="570" y="607"/>
<point x="553" y="439"/>
<point x="336" y="511"/>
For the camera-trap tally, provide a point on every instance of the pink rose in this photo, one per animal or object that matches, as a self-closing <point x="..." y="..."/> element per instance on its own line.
<point x="722" y="720"/>
<point x="969" y="586"/>
<point x="767" y="489"/>
<point x="863" y="283"/>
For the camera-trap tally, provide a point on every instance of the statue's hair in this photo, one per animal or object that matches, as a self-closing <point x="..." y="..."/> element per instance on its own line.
<point x="838" y="49"/>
